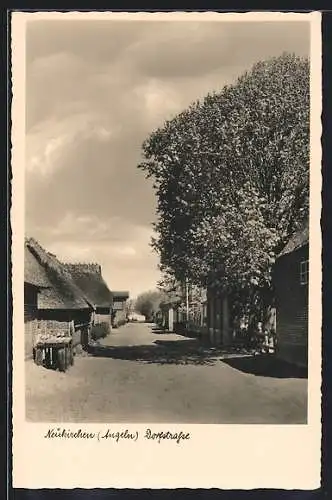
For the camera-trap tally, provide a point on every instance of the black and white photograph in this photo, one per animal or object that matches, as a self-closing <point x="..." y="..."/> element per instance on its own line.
<point x="167" y="205"/>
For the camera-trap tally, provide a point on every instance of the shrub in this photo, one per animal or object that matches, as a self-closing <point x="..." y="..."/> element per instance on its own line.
<point x="119" y="322"/>
<point x="100" y="331"/>
<point x="180" y="327"/>
<point x="119" y="319"/>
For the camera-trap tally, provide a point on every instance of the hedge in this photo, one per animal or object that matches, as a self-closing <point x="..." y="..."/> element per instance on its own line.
<point x="100" y="331"/>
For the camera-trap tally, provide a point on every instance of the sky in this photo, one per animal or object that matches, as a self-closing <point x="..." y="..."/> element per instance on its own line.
<point x="95" y="90"/>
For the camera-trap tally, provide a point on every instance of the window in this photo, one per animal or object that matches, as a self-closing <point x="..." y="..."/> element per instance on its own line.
<point x="304" y="272"/>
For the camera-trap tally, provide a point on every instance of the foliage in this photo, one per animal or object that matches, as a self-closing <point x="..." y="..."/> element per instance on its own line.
<point x="129" y="306"/>
<point x="148" y="303"/>
<point x="100" y="330"/>
<point x="176" y="294"/>
<point x="231" y="174"/>
<point x="119" y="318"/>
<point x="171" y="291"/>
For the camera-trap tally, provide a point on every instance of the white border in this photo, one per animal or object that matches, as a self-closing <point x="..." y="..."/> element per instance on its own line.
<point x="217" y="456"/>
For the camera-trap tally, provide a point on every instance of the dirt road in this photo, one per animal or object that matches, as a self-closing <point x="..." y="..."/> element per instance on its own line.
<point x="139" y="374"/>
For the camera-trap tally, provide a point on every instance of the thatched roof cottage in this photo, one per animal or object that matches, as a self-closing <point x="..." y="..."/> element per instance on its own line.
<point x="60" y="304"/>
<point x="88" y="277"/>
<point x="35" y="280"/>
<point x="34" y="275"/>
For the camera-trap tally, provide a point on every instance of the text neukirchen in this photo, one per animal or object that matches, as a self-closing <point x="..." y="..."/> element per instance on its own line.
<point x="68" y="434"/>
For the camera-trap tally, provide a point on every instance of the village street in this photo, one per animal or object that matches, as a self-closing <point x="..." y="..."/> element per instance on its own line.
<point x="140" y="374"/>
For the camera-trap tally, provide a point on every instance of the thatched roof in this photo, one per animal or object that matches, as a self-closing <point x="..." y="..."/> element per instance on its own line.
<point x="34" y="274"/>
<point x="62" y="293"/>
<point x="89" y="279"/>
<point x="298" y="240"/>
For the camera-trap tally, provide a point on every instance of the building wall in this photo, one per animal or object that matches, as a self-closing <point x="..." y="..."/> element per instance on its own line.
<point x="102" y="315"/>
<point x="118" y="304"/>
<point x="102" y="318"/>
<point x="82" y="328"/>
<point x="291" y="308"/>
<point x="30" y="318"/>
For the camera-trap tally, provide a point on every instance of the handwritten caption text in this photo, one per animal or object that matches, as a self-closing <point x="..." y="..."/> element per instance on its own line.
<point x="117" y="436"/>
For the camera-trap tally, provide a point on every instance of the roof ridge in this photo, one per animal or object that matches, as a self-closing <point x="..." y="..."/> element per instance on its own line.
<point x="298" y="239"/>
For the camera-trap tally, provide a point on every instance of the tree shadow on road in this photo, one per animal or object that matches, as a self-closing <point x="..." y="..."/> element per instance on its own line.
<point x="266" y="366"/>
<point x="179" y="352"/>
<point x="193" y="352"/>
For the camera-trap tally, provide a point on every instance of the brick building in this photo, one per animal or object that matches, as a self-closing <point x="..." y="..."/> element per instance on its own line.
<point x="291" y="279"/>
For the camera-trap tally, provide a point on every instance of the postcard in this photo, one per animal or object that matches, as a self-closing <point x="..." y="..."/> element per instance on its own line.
<point x="166" y="249"/>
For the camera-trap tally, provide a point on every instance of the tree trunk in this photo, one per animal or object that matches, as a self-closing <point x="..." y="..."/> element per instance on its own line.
<point x="170" y="320"/>
<point x="211" y="316"/>
<point x="225" y="321"/>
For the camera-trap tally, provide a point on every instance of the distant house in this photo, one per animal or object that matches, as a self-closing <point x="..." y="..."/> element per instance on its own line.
<point x="166" y="317"/>
<point x="57" y="305"/>
<point x="291" y="279"/>
<point x="119" y="314"/>
<point x="173" y="311"/>
<point x="88" y="278"/>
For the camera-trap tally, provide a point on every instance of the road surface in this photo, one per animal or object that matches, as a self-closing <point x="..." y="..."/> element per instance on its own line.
<point x="141" y="375"/>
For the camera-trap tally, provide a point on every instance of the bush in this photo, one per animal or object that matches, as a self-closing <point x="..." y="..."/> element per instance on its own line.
<point x="100" y="331"/>
<point x="180" y="327"/>
<point x="119" y="322"/>
<point x="119" y="319"/>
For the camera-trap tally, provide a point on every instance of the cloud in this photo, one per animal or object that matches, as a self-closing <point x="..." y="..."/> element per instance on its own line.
<point x="95" y="90"/>
<point x="191" y="49"/>
<point x="97" y="41"/>
<point x="123" y="250"/>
